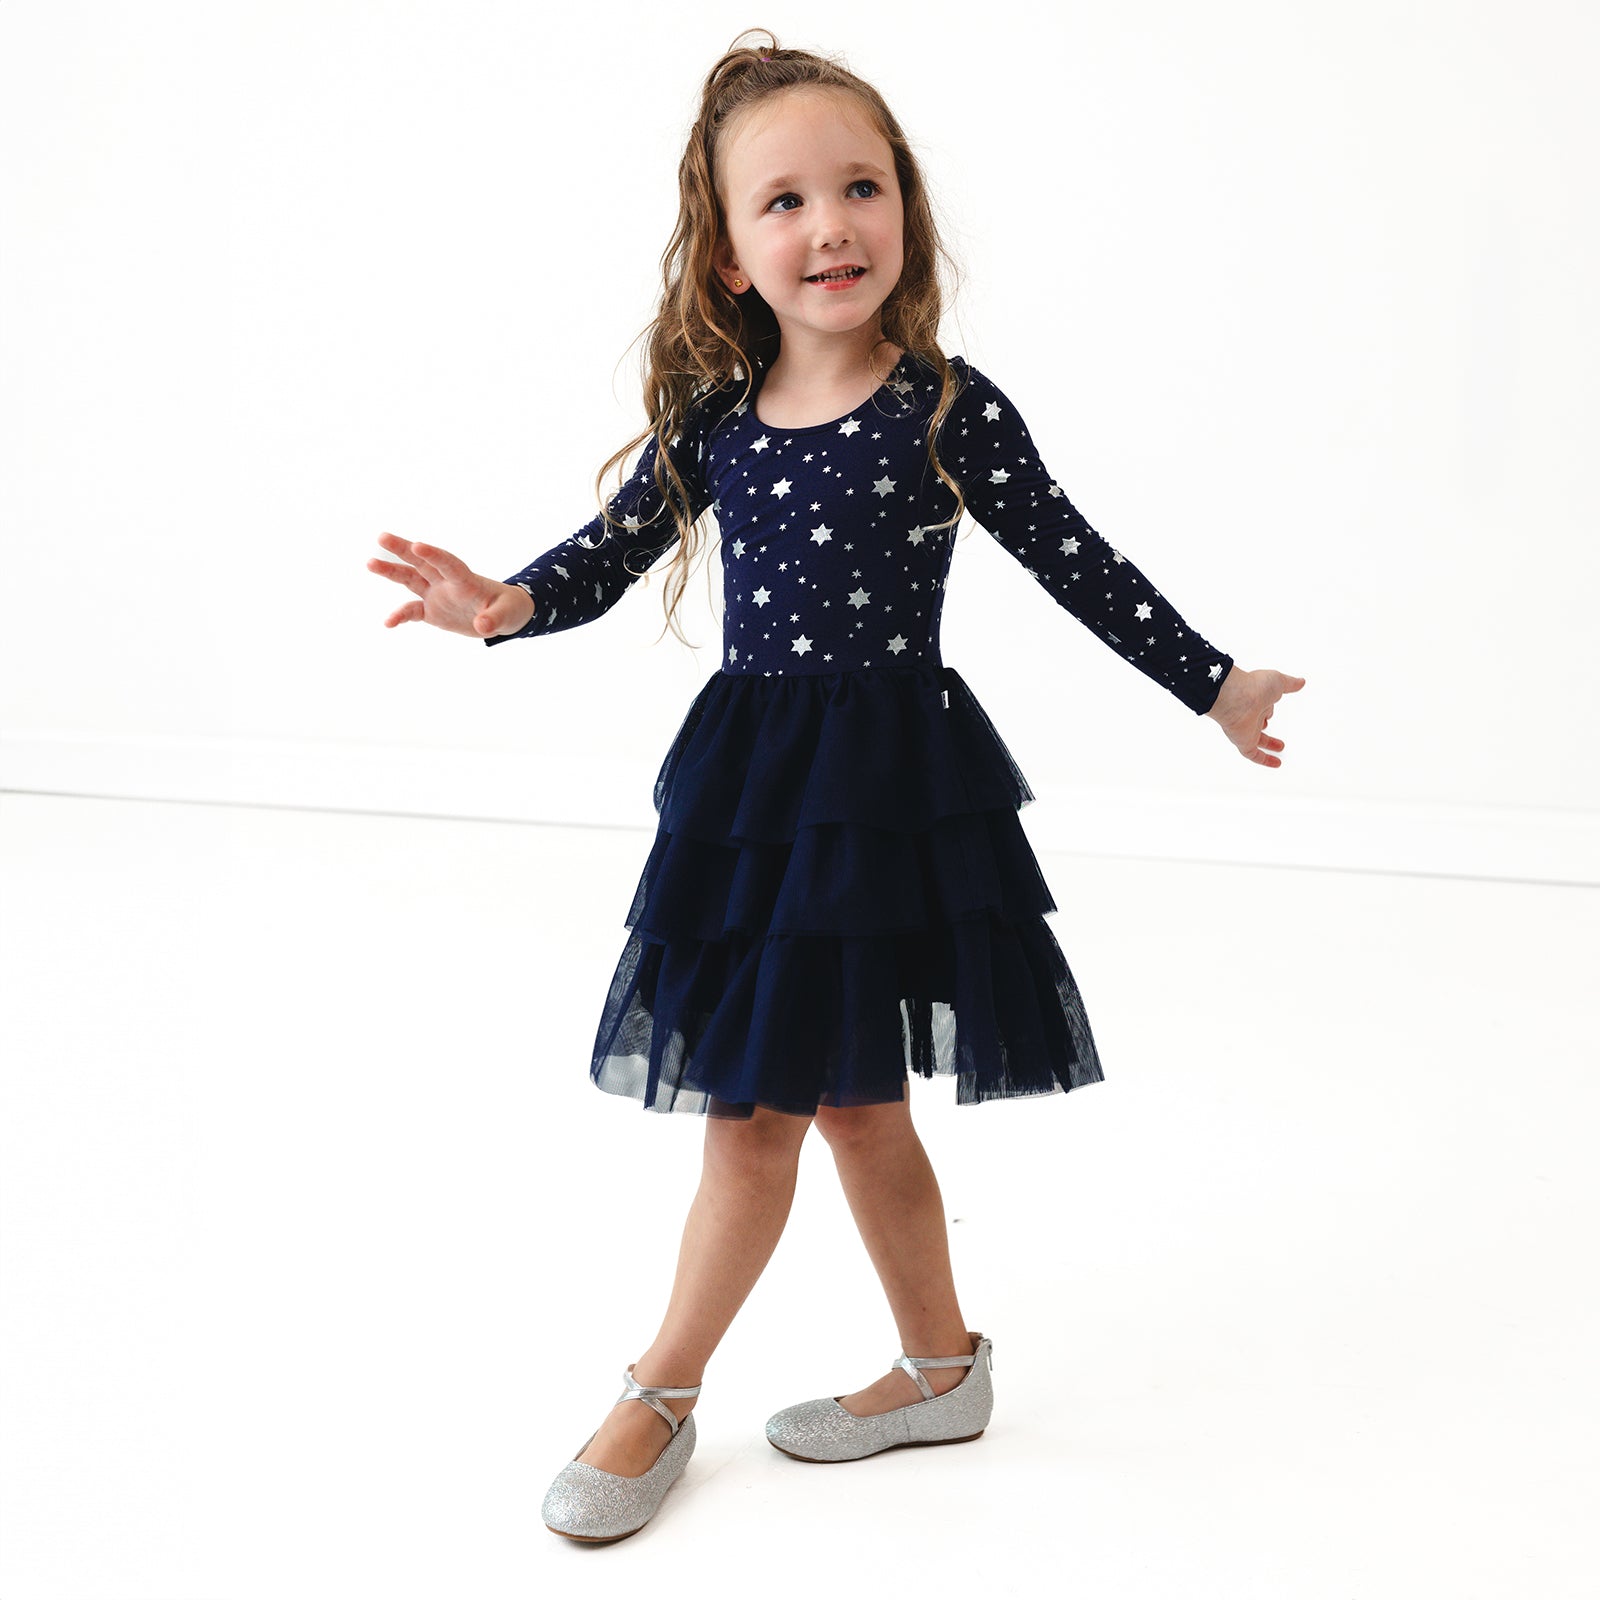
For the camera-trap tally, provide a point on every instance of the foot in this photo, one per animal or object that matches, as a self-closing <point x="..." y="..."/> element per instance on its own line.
<point x="898" y="1388"/>
<point x="630" y="1440"/>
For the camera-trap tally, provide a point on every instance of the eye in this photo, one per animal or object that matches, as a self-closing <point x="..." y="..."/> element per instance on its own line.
<point x="865" y="183"/>
<point x="781" y="198"/>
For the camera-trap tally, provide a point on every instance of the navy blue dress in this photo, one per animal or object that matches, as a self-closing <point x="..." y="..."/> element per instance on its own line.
<point x="840" y="890"/>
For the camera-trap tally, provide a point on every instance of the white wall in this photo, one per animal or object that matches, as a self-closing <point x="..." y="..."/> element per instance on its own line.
<point x="1297" y="301"/>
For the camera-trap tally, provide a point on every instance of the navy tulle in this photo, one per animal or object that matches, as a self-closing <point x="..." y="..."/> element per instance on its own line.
<point x="839" y="892"/>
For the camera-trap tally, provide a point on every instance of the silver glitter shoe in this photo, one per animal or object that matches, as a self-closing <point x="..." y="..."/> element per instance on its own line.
<point x="600" y="1507"/>
<point x="822" y="1430"/>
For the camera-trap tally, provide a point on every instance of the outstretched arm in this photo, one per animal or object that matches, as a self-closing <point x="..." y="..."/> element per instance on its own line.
<point x="585" y="575"/>
<point x="986" y="445"/>
<point x="577" y="581"/>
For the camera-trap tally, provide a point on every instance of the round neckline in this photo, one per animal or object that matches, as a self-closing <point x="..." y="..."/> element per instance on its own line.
<point x="833" y="422"/>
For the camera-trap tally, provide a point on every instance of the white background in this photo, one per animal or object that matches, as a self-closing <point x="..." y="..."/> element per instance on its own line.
<point x="321" y="1255"/>
<point x="1297" y="302"/>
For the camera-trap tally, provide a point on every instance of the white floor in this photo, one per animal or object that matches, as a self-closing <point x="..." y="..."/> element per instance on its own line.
<point x="322" y="1255"/>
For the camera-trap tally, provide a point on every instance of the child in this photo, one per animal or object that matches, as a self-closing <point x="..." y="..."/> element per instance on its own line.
<point x="839" y="891"/>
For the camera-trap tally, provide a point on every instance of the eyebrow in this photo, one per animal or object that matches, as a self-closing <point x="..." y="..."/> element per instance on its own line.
<point x="855" y="167"/>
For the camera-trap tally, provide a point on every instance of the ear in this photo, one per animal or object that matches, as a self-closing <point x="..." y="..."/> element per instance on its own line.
<point x="727" y="269"/>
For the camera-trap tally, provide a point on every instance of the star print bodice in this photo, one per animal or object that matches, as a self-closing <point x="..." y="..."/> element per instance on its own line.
<point x="831" y="558"/>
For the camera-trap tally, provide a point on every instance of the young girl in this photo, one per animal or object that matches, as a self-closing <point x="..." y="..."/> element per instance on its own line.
<point x="840" y="891"/>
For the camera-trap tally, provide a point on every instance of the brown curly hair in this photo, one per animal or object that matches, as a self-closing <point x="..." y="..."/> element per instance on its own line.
<point x="703" y="337"/>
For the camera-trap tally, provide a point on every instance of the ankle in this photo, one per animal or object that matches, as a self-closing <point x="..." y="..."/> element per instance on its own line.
<point x="945" y="1339"/>
<point x="650" y="1374"/>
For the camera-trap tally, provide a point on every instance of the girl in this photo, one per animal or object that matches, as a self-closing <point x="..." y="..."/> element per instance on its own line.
<point x="839" y="891"/>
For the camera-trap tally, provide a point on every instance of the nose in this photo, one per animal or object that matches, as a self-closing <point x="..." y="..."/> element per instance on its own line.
<point x="829" y="227"/>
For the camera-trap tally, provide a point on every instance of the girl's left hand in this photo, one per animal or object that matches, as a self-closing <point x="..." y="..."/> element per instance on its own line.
<point x="1244" y="707"/>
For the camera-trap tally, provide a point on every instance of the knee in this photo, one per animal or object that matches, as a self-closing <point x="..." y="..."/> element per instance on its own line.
<point x="852" y="1127"/>
<point x="756" y="1145"/>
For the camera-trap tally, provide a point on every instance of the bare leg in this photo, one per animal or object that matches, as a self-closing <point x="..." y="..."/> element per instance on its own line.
<point x="735" y="1221"/>
<point x="894" y="1197"/>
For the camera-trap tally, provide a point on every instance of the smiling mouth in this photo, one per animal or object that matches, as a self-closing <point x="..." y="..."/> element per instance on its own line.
<point x="837" y="277"/>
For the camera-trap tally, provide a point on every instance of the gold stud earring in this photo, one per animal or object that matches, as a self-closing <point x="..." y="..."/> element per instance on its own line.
<point x="738" y="283"/>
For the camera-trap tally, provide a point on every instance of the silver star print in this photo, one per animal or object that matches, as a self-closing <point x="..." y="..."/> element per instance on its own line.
<point x="822" y="533"/>
<point x="859" y="598"/>
<point x="991" y="412"/>
<point x="800" y="645"/>
<point x="782" y="487"/>
<point x="883" y="486"/>
<point x="847" y="428"/>
<point x="761" y="596"/>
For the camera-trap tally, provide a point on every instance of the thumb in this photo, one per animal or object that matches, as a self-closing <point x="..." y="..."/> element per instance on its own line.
<point x="495" y="616"/>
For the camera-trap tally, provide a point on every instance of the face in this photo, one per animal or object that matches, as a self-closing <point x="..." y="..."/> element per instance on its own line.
<point x="808" y="187"/>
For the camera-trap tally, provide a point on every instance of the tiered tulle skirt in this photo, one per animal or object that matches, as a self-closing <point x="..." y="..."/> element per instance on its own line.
<point x="839" y="893"/>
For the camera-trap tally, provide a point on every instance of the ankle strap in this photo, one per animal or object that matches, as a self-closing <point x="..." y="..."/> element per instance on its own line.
<point x="653" y="1395"/>
<point x="913" y="1364"/>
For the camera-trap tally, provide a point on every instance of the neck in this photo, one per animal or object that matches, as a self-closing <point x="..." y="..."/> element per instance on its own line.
<point x="812" y="360"/>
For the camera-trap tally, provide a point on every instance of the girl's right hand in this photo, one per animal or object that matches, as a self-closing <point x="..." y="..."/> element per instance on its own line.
<point x="449" y="593"/>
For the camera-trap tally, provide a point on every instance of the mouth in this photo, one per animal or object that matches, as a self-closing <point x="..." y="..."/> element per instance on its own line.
<point x="840" y="275"/>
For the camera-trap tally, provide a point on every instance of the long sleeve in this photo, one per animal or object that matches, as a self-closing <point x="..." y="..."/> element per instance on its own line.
<point x="581" y="578"/>
<point x="986" y="445"/>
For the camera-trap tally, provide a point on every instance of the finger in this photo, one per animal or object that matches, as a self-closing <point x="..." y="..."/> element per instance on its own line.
<point x="409" y="576"/>
<point x="411" y="612"/>
<point x="412" y="550"/>
<point x="409" y="550"/>
<point x="425" y="563"/>
<point x="449" y="566"/>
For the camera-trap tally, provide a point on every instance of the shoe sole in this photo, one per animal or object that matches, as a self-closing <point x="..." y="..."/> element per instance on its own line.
<point x="598" y="1538"/>
<point x="906" y="1444"/>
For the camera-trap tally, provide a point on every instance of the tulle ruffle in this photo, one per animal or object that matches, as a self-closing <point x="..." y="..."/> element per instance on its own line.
<point x="839" y="892"/>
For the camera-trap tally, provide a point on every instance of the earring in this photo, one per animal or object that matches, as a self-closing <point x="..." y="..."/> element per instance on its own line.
<point x="738" y="283"/>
